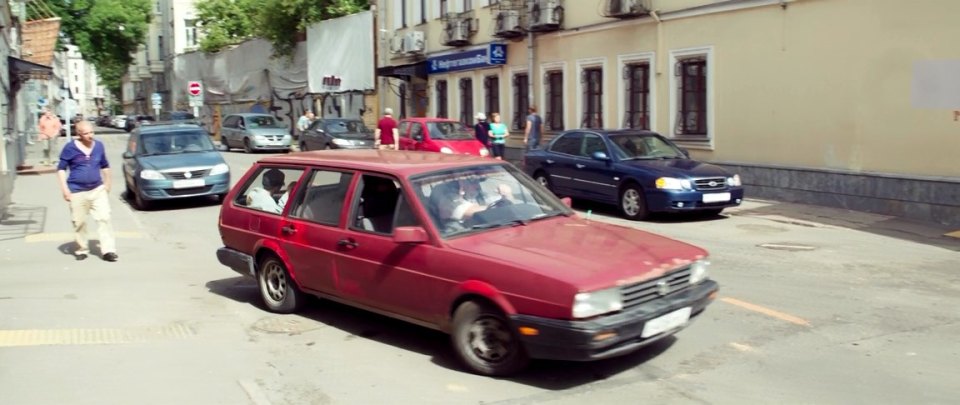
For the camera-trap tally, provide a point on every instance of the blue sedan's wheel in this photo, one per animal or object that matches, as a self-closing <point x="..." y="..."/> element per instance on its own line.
<point x="544" y="181"/>
<point x="633" y="204"/>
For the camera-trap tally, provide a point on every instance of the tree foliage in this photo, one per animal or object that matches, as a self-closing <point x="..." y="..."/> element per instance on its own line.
<point x="227" y="22"/>
<point x="107" y="32"/>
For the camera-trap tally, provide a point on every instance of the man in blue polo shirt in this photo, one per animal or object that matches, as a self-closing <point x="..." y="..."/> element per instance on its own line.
<point x="87" y="188"/>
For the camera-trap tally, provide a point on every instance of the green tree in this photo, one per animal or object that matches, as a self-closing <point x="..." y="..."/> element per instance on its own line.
<point x="107" y="32"/>
<point x="225" y="22"/>
<point x="228" y="22"/>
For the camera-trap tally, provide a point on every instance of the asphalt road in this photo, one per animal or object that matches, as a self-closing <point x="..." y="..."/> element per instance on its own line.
<point x="817" y="306"/>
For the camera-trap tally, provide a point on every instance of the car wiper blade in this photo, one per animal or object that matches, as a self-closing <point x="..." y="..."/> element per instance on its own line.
<point x="552" y="215"/>
<point x="515" y="222"/>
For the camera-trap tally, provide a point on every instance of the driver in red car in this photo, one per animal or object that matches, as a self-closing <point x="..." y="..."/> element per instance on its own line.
<point x="459" y="200"/>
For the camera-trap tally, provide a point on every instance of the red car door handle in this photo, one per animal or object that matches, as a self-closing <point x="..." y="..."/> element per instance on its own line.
<point x="288" y="230"/>
<point x="348" y="243"/>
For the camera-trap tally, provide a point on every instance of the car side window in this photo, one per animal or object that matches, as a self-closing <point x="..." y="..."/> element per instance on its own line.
<point x="404" y="129"/>
<point x="230" y="122"/>
<point x="380" y="206"/>
<point x="416" y="130"/>
<point x="269" y="189"/>
<point x="315" y="125"/>
<point x="568" y="144"/>
<point x="592" y="143"/>
<point x="321" y="199"/>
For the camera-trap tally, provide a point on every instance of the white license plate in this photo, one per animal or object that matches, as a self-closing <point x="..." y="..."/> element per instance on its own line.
<point x="666" y="322"/>
<point x="192" y="183"/>
<point x="716" y="197"/>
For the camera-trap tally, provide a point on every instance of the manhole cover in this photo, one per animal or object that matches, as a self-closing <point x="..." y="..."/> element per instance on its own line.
<point x="288" y="325"/>
<point x="790" y="247"/>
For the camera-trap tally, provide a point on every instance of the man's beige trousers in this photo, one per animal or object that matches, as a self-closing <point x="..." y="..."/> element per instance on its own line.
<point x="96" y="204"/>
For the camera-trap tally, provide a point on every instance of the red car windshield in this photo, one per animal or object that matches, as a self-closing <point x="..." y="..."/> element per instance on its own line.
<point x="449" y="130"/>
<point x="473" y="199"/>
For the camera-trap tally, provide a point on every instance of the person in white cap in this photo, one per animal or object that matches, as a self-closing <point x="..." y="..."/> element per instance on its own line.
<point x="386" y="136"/>
<point x="482" y="130"/>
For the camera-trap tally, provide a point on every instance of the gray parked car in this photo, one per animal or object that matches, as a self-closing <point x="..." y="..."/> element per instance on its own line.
<point x="336" y="133"/>
<point x="254" y="132"/>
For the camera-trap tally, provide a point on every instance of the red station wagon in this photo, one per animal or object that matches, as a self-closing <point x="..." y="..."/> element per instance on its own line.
<point x="470" y="246"/>
<point x="439" y="135"/>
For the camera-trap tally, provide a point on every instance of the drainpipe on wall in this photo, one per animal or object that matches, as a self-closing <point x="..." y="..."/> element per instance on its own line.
<point x="380" y="83"/>
<point x="660" y="58"/>
<point x="530" y="71"/>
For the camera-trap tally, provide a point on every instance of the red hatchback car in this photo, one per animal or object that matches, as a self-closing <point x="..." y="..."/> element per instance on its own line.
<point x="472" y="247"/>
<point x="439" y="135"/>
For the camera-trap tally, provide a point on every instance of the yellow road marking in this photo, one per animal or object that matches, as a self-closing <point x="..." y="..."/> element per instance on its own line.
<point x="766" y="311"/>
<point x="61" y="337"/>
<point x="954" y="234"/>
<point x="68" y="236"/>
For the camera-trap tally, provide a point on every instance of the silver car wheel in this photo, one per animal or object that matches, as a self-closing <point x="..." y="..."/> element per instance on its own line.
<point x="631" y="202"/>
<point x="274" y="282"/>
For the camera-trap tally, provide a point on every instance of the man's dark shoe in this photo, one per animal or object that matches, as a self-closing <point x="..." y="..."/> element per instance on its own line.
<point x="81" y="257"/>
<point x="110" y="257"/>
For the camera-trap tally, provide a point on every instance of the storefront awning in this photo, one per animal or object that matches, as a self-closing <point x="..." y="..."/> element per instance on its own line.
<point x="405" y="72"/>
<point x="23" y="70"/>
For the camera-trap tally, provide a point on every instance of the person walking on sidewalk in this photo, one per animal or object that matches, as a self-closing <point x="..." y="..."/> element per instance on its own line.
<point x="498" y="136"/>
<point x="534" y="129"/>
<point x="482" y="130"/>
<point x="386" y="136"/>
<point x="87" y="188"/>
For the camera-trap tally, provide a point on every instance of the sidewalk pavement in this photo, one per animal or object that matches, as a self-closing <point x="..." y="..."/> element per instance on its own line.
<point x="38" y="221"/>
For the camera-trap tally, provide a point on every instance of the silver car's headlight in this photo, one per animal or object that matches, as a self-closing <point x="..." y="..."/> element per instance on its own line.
<point x="699" y="271"/>
<point x="342" y="142"/>
<point x="151" y="175"/>
<point x="589" y="304"/>
<point x="220" y="168"/>
<point x="260" y="137"/>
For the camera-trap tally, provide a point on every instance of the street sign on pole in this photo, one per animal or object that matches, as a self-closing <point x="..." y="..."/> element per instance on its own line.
<point x="157" y="103"/>
<point x="195" y="90"/>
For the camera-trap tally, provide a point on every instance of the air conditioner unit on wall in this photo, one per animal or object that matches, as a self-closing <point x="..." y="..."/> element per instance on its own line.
<point x="456" y="32"/>
<point x="396" y="44"/>
<point x="414" y="42"/>
<point x="546" y="15"/>
<point x="625" y="8"/>
<point x="507" y="24"/>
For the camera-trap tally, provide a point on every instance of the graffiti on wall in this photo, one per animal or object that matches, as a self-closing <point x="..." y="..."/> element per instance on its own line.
<point x="287" y="109"/>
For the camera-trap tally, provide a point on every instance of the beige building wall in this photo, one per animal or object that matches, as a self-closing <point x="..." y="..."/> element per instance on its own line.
<point x="821" y="84"/>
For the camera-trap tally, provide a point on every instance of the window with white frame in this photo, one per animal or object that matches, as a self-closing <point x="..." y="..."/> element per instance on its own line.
<point x="691" y="104"/>
<point x="423" y="12"/>
<point x="691" y="79"/>
<point x="553" y="113"/>
<point x="190" y="26"/>
<point x="637" y="92"/>
<point x="442" y="99"/>
<point x="491" y="96"/>
<point x="444" y="8"/>
<point x="466" y="100"/>
<point x="591" y="80"/>
<point x="521" y="100"/>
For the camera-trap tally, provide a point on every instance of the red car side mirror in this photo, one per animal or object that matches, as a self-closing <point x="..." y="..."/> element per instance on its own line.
<point x="410" y="234"/>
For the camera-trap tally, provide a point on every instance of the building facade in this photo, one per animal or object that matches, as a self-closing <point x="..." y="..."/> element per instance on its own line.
<point x="843" y="102"/>
<point x="173" y="31"/>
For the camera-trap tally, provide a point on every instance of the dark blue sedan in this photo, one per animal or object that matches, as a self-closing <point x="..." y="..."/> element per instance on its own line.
<point x="639" y="171"/>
